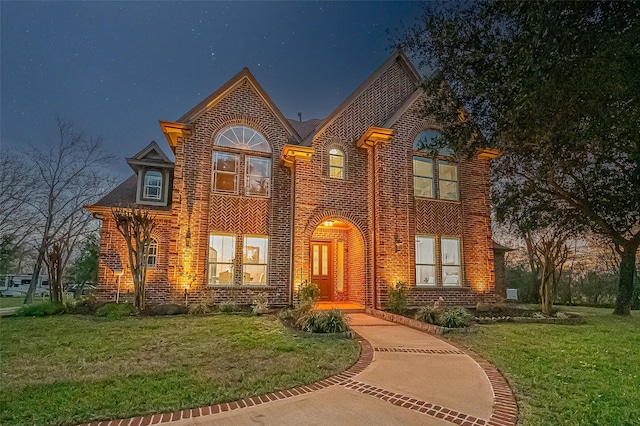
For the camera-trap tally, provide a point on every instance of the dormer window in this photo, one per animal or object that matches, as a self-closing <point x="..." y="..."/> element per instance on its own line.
<point x="154" y="173"/>
<point x="336" y="163"/>
<point x="152" y="185"/>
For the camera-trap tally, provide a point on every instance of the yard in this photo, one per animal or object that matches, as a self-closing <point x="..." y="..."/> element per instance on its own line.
<point x="568" y="375"/>
<point x="70" y="369"/>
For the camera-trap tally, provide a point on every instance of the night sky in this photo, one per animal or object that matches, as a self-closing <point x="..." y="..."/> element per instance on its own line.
<point x="116" y="68"/>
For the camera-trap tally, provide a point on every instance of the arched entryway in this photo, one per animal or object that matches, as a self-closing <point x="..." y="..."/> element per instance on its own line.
<point x="337" y="261"/>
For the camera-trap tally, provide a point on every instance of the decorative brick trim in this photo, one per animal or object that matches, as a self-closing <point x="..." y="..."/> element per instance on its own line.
<point x="423" y="407"/>
<point x="505" y="406"/>
<point x="364" y="360"/>
<point x="422" y="351"/>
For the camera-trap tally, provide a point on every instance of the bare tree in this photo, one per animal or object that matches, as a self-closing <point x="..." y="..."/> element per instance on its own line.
<point x="68" y="174"/>
<point x="548" y="253"/>
<point x="136" y="224"/>
<point x="16" y="221"/>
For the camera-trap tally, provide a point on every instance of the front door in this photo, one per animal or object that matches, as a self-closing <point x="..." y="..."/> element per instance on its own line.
<point x="322" y="268"/>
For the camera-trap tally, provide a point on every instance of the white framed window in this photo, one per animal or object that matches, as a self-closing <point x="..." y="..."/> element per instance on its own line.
<point x="238" y="143"/>
<point x="255" y="260"/>
<point x="152" y="185"/>
<point x="427" y="139"/>
<point x="425" y="260"/>
<point x="423" y="177"/>
<point x="222" y="253"/>
<point x="225" y="172"/>
<point x="451" y="264"/>
<point x="258" y="176"/>
<point x="242" y="137"/>
<point x="336" y="163"/>
<point x="448" y="180"/>
<point x="152" y="253"/>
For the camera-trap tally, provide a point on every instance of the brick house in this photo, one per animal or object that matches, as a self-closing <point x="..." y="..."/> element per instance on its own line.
<point x="256" y="202"/>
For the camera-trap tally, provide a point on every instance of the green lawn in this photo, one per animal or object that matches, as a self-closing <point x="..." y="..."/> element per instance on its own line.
<point x="568" y="375"/>
<point x="13" y="301"/>
<point x="71" y="369"/>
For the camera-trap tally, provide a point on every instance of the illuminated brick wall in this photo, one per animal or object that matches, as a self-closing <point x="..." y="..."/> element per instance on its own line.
<point x="383" y="215"/>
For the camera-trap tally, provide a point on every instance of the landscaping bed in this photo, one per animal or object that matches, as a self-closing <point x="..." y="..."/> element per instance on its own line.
<point x="70" y="369"/>
<point x="519" y="314"/>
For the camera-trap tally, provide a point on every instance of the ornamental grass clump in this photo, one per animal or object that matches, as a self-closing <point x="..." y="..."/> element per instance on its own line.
<point x="332" y="321"/>
<point x="454" y="318"/>
<point x="444" y="317"/>
<point x="397" y="294"/>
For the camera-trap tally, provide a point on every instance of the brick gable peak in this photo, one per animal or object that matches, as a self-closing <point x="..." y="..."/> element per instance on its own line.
<point x="227" y="88"/>
<point x="397" y="57"/>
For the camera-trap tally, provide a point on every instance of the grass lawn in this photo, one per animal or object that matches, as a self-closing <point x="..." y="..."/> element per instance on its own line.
<point x="13" y="301"/>
<point x="568" y="375"/>
<point x="71" y="369"/>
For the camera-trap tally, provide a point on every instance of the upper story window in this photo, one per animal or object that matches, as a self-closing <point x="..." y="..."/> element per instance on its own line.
<point x="336" y="163"/>
<point x="423" y="170"/>
<point x="152" y="185"/>
<point x="448" y="180"/>
<point x="152" y="253"/>
<point x="423" y="177"/>
<point x="243" y="137"/>
<point x="228" y="164"/>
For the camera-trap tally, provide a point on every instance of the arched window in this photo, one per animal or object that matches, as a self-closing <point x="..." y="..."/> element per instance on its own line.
<point x="227" y="165"/>
<point x="152" y="253"/>
<point x="243" y="137"/>
<point x="152" y="185"/>
<point x="336" y="163"/>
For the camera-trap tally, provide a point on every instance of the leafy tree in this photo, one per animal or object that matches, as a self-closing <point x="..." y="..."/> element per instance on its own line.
<point x="136" y="224"/>
<point x="554" y="86"/>
<point x="85" y="266"/>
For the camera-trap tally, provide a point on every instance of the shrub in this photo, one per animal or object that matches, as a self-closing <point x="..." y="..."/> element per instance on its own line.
<point x="228" y="306"/>
<point x="332" y="321"/>
<point x="259" y="303"/>
<point x="41" y="310"/>
<point x="200" y="309"/>
<point x="308" y="292"/>
<point x="166" y="309"/>
<point x="113" y="310"/>
<point x="287" y="314"/>
<point x="86" y="306"/>
<point x="397" y="297"/>
<point x="454" y="318"/>
<point x="428" y="313"/>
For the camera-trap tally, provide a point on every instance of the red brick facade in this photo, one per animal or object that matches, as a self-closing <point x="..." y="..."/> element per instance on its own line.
<point x="374" y="204"/>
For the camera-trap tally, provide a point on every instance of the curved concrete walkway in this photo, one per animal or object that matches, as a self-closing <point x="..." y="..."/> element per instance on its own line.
<point x="404" y="376"/>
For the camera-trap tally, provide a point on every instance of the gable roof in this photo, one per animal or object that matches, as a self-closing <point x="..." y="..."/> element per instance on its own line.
<point x="150" y="155"/>
<point x="398" y="56"/>
<point x="304" y="127"/>
<point x="123" y="195"/>
<point x="235" y="81"/>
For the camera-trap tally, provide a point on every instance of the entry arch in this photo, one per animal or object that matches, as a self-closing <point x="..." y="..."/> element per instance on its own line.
<point x="338" y="237"/>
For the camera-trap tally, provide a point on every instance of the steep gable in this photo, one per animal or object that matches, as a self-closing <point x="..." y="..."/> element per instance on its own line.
<point x="373" y="102"/>
<point x="244" y="80"/>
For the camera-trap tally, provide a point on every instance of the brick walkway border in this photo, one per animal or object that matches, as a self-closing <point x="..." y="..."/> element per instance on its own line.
<point x="366" y="356"/>
<point x="504" y="413"/>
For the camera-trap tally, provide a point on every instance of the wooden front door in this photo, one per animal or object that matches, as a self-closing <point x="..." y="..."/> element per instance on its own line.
<point x="322" y="268"/>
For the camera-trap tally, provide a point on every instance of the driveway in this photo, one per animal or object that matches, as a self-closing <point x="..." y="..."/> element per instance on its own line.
<point x="403" y="377"/>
